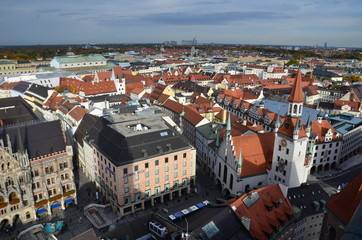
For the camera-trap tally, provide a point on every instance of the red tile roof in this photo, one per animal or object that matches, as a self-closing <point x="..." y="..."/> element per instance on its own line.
<point x="103" y="76"/>
<point x="297" y="93"/>
<point x="88" y="88"/>
<point x="321" y="129"/>
<point x="238" y="94"/>
<point x="288" y="127"/>
<point x="262" y="220"/>
<point x="345" y="203"/>
<point x="255" y="159"/>
<point x="354" y="105"/>
<point x="77" y="113"/>
<point x="242" y="79"/>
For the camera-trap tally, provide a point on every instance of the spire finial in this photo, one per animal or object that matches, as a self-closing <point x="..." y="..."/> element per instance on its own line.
<point x="228" y="126"/>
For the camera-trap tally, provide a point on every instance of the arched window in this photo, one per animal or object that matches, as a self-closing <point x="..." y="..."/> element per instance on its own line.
<point x="300" y="109"/>
<point x="219" y="169"/>
<point x="231" y="182"/>
<point x="27" y="215"/>
<point x="225" y="173"/>
<point x="295" y="109"/>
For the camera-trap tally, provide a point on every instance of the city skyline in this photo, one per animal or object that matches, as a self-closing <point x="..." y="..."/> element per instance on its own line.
<point x="239" y="22"/>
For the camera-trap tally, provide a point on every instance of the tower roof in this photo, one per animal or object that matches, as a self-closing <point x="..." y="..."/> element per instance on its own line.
<point x="297" y="93"/>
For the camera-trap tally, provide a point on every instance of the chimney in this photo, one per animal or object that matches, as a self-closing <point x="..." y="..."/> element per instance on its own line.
<point x="160" y="151"/>
<point x="145" y="154"/>
<point x="169" y="146"/>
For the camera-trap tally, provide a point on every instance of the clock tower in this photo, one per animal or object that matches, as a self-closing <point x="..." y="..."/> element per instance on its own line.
<point x="289" y="165"/>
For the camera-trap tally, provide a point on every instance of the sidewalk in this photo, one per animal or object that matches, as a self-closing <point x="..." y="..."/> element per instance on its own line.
<point x="341" y="169"/>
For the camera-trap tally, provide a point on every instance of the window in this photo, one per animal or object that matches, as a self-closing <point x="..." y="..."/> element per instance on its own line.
<point x="185" y="155"/>
<point x="126" y="190"/>
<point x="147" y="174"/>
<point x="148" y="193"/>
<point x="175" y="175"/>
<point x="127" y="200"/>
<point x="175" y="157"/>
<point x="287" y="151"/>
<point x="156" y="163"/>
<point x="166" y="177"/>
<point x="137" y="196"/>
<point x="146" y="165"/>
<point x="136" y="168"/>
<point x="147" y="183"/>
<point x="167" y="187"/>
<point x="136" y="186"/>
<point x="125" y="170"/>
<point x="175" y="184"/>
<point x="166" y="169"/>
<point x="166" y="160"/>
<point x="136" y="177"/>
<point x="184" y="164"/>
<point x="157" y="171"/>
<point x="157" y="180"/>
<point x="157" y="190"/>
<point x="184" y="172"/>
<point x="280" y="148"/>
<point x="175" y="166"/>
<point x="184" y="181"/>
<point x="125" y="180"/>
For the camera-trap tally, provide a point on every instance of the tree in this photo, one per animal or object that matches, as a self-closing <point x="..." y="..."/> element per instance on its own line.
<point x="352" y="78"/>
<point x="292" y="62"/>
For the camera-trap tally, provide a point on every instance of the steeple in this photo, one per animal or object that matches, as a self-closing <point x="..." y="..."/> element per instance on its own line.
<point x="228" y="126"/>
<point x="278" y="122"/>
<point x="296" y="98"/>
<point x="297" y="128"/>
<point x="239" y="162"/>
<point x="308" y="127"/>
<point x="217" y="139"/>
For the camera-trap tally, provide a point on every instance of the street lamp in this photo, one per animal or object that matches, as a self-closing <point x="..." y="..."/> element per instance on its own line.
<point x="187" y="229"/>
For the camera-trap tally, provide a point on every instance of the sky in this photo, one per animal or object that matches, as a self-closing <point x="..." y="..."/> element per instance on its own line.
<point x="285" y="22"/>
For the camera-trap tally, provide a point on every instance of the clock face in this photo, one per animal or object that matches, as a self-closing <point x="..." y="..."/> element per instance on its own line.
<point x="281" y="164"/>
<point x="284" y="142"/>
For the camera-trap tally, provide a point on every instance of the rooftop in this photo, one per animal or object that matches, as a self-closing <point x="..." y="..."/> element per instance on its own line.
<point x="127" y="138"/>
<point x="310" y="199"/>
<point x="75" y="59"/>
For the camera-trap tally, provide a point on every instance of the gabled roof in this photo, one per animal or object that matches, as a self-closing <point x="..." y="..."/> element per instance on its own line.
<point x="296" y="95"/>
<point x="255" y="159"/>
<point x="254" y="206"/>
<point x="103" y="76"/>
<point x="77" y="113"/>
<point x="321" y="129"/>
<point x="354" y="105"/>
<point x="345" y="203"/>
<point x="242" y="79"/>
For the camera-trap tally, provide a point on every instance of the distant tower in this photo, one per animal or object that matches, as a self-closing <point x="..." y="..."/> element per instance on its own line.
<point x="325" y="45"/>
<point x="194" y="41"/>
<point x="193" y="51"/>
<point x="70" y="52"/>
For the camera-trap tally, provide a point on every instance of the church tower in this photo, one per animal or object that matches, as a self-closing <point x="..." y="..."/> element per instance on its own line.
<point x="289" y="165"/>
